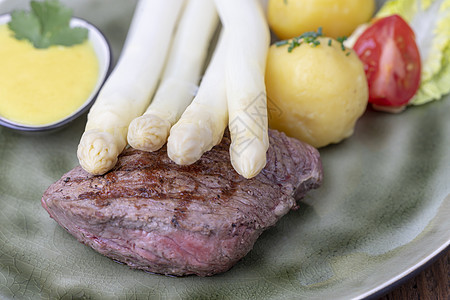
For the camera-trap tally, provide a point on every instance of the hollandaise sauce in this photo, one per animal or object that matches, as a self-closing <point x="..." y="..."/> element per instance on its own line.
<point x="44" y="86"/>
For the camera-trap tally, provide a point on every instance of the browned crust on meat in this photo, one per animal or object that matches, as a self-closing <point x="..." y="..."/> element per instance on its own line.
<point x="200" y="219"/>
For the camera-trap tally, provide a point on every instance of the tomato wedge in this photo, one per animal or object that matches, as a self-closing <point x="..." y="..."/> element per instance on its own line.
<point x="391" y="61"/>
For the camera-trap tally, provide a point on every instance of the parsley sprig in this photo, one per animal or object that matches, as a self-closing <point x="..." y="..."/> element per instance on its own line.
<point x="48" y="23"/>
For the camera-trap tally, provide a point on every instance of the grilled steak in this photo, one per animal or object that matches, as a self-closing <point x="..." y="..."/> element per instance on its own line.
<point x="200" y="219"/>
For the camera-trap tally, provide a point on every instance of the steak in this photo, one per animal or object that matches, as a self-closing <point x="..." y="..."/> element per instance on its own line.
<point x="152" y="214"/>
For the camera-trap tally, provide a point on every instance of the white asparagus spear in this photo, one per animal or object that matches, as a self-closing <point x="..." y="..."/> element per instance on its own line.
<point x="247" y="49"/>
<point x="181" y="76"/>
<point x="202" y="124"/>
<point x="128" y="90"/>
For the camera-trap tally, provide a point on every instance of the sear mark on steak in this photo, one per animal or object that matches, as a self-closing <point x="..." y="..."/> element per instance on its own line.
<point x="152" y="214"/>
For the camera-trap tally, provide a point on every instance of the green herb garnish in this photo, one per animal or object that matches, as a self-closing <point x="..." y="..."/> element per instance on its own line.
<point x="341" y="40"/>
<point x="309" y="37"/>
<point x="46" y="24"/>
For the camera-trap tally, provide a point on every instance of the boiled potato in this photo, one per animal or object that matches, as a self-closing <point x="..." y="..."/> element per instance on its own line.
<point x="315" y="94"/>
<point x="291" y="18"/>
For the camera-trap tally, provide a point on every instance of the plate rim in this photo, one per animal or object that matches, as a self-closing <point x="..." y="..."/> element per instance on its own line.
<point x="406" y="275"/>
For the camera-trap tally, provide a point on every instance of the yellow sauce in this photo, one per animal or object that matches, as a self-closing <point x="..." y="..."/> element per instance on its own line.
<point x="43" y="86"/>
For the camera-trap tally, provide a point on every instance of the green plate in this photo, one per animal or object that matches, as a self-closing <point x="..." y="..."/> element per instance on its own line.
<point x="381" y="214"/>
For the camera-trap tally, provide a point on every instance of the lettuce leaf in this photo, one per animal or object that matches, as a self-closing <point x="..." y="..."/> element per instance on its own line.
<point x="430" y="20"/>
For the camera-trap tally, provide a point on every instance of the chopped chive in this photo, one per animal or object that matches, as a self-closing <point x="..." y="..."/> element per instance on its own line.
<point x="319" y="31"/>
<point x="341" y="40"/>
<point x="281" y="43"/>
<point x="309" y="37"/>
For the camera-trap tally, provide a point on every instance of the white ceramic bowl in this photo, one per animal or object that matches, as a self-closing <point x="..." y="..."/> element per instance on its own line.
<point x="103" y="51"/>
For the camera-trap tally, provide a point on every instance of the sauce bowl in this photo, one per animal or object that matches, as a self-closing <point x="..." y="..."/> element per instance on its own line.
<point x="103" y="52"/>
